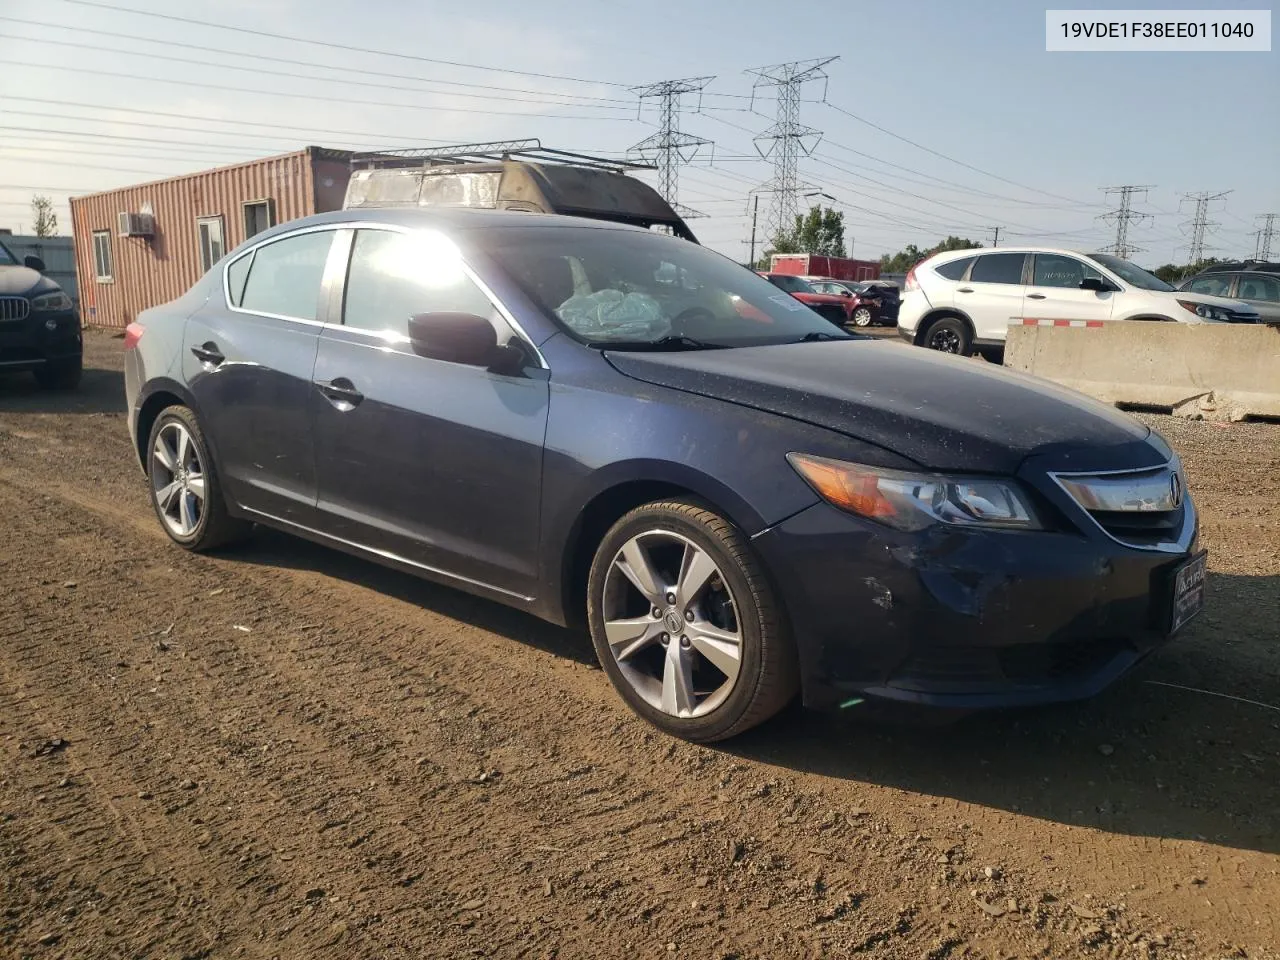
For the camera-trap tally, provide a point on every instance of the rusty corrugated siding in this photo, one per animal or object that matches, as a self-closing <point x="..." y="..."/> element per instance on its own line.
<point x="150" y="271"/>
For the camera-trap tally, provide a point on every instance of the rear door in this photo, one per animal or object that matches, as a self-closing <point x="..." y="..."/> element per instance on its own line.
<point x="435" y="463"/>
<point x="247" y="358"/>
<point x="1262" y="292"/>
<point x="1054" y="292"/>
<point x="992" y="294"/>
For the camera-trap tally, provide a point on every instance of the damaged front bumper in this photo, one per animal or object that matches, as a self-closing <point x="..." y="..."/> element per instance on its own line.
<point x="962" y="618"/>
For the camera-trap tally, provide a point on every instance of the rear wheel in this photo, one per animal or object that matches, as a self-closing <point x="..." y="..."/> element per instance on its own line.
<point x="59" y="374"/>
<point x="686" y="624"/>
<point x="949" y="335"/>
<point x="185" y="490"/>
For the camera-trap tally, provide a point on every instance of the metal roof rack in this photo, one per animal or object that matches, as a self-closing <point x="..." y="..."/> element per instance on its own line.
<point x="528" y="151"/>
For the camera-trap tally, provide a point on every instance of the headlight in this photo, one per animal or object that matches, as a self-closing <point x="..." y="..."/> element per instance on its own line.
<point x="910" y="501"/>
<point x="51" y="301"/>
<point x="1204" y="311"/>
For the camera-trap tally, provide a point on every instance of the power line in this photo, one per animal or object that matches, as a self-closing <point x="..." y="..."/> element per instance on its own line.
<point x="1199" y="222"/>
<point x="1122" y="217"/>
<point x="787" y="138"/>
<point x="669" y="144"/>
<point x="995" y="236"/>
<point x="1265" y="234"/>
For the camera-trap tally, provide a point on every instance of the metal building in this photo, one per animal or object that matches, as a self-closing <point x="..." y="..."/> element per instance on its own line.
<point x="145" y="245"/>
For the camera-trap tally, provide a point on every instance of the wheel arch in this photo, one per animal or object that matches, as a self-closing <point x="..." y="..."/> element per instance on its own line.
<point x="156" y="396"/>
<point x="941" y="313"/>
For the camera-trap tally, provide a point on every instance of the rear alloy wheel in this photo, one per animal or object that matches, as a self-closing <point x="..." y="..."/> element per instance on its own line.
<point x="184" y="484"/>
<point x="862" y="317"/>
<point x="948" y="335"/>
<point x="686" y="625"/>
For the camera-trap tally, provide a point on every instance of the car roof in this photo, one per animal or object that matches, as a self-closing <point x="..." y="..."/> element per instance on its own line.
<point x="977" y="251"/>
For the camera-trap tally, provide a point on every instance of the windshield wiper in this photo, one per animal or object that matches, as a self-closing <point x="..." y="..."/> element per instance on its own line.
<point x="817" y="335"/>
<point x="674" y="341"/>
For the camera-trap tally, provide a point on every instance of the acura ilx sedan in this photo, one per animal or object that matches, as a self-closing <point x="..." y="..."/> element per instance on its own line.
<point x="609" y="427"/>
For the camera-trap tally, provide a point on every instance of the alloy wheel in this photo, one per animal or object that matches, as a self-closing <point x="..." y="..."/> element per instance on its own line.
<point x="945" y="340"/>
<point x="178" y="479"/>
<point x="671" y="623"/>
<point x="862" y="317"/>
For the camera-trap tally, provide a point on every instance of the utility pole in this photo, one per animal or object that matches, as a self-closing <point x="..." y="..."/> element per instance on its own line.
<point x="787" y="138"/>
<point x="1265" y="234"/>
<point x="669" y="145"/>
<point x="1200" y="222"/>
<point x="755" y="215"/>
<point x="995" y="240"/>
<point x="1122" y="217"/>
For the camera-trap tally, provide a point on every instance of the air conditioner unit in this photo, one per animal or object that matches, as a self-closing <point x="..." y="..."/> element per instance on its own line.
<point x="135" y="224"/>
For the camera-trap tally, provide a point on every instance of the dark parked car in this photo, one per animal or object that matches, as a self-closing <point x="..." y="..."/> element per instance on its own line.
<point x="602" y="425"/>
<point x="39" y="325"/>
<point x="837" y="309"/>
<point x="1256" y="282"/>
<point x="871" y="302"/>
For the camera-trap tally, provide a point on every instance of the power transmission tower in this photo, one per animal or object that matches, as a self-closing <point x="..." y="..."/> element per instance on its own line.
<point x="787" y="138"/>
<point x="1122" y="217"/>
<point x="1199" y="222"/>
<point x="1265" y="234"/>
<point x="669" y="146"/>
<point x="995" y="238"/>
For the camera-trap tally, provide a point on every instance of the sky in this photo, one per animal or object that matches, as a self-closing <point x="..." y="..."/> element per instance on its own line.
<point x="937" y="118"/>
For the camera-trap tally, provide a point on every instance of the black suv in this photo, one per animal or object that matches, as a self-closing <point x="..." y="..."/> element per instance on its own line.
<point x="1255" y="282"/>
<point x="39" y="325"/>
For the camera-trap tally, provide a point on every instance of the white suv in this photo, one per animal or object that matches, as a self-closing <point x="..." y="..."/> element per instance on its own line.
<point x="966" y="299"/>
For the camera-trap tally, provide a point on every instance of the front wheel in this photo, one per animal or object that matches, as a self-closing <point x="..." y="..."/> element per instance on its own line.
<point x="862" y="317"/>
<point x="949" y="335"/>
<point x="686" y="624"/>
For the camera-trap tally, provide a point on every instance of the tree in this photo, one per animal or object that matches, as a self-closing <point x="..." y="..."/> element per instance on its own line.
<point x="910" y="255"/>
<point x="818" y="232"/>
<point x="44" y="220"/>
<point x="1172" y="272"/>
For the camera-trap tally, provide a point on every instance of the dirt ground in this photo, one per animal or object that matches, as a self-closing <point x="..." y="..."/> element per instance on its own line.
<point x="281" y="751"/>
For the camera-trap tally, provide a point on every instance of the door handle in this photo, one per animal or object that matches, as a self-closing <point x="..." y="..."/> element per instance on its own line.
<point x="340" y="390"/>
<point x="208" y="353"/>
<point x="965" y="290"/>
<point x="1035" y="296"/>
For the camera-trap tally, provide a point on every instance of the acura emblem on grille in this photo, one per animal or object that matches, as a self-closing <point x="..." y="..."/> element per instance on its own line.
<point x="1175" y="489"/>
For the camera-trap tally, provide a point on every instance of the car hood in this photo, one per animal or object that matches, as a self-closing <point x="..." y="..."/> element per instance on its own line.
<point x="23" y="280"/>
<point x="943" y="412"/>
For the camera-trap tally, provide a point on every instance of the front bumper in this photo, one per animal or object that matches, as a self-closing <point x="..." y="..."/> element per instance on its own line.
<point x="963" y="619"/>
<point x="28" y="343"/>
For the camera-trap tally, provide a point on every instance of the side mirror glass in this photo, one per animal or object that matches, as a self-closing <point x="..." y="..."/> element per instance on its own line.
<point x="33" y="262"/>
<point x="1096" y="284"/>
<point x="454" y="337"/>
<point x="845" y="293"/>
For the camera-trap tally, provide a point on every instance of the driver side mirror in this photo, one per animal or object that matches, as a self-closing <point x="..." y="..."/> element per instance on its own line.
<point x="845" y="293"/>
<point x="1096" y="284"/>
<point x="454" y="337"/>
<point x="33" y="262"/>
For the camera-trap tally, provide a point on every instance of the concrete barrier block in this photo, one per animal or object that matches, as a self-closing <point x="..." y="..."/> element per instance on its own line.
<point x="1209" y="371"/>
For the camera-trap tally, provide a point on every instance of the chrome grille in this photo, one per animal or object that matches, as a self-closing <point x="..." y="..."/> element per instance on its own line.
<point x="1147" y="509"/>
<point x="14" y="308"/>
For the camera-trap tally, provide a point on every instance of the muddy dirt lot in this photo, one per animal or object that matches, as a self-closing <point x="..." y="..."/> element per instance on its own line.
<point x="284" y="752"/>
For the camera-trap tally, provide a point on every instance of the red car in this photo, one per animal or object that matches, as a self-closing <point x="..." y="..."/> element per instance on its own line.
<point x="839" y="310"/>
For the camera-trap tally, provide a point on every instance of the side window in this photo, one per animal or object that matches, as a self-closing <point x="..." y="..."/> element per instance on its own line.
<point x="209" y="230"/>
<point x="1216" y="285"/>
<point x="237" y="273"/>
<point x="259" y="215"/>
<point x="998" y="268"/>
<point x="1255" y="287"/>
<point x="955" y="269"/>
<point x="395" y="276"/>
<point x="102" y="256"/>
<point x="1053" y="270"/>
<point x="285" y="276"/>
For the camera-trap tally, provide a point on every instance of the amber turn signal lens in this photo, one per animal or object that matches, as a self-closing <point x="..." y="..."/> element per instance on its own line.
<point x="844" y="485"/>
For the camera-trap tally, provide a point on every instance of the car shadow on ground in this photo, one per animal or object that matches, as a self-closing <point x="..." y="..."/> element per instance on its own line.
<point x="1142" y="759"/>
<point x="100" y="391"/>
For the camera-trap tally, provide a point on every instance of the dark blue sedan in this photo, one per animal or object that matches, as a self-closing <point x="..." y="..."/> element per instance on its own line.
<point x="609" y="427"/>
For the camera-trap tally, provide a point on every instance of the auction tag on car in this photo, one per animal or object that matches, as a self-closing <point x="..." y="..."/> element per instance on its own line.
<point x="1188" y="590"/>
<point x="787" y="302"/>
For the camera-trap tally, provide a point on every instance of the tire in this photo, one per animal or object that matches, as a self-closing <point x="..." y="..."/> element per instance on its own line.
<point x="862" y="317"/>
<point x="59" y="374"/>
<point x="948" y="335"/>
<point x="730" y="598"/>
<point x="195" y="520"/>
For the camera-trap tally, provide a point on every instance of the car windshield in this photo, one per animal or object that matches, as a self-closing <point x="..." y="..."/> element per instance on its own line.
<point x="643" y="290"/>
<point x="7" y="259"/>
<point x="791" y="284"/>
<point x="1130" y="274"/>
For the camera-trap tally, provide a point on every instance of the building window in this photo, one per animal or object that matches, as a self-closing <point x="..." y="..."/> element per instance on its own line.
<point x="102" y="256"/>
<point x="259" y="215"/>
<point x="211" y="245"/>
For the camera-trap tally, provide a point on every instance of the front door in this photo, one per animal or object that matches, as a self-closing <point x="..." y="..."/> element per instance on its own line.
<point x="1055" y="294"/>
<point x="992" y="294"/>
<point x="432" y="462"/>
<point x="247" y="358"/>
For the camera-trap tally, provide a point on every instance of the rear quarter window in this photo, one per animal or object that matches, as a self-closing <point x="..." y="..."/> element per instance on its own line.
<point x="954" y="269"/>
